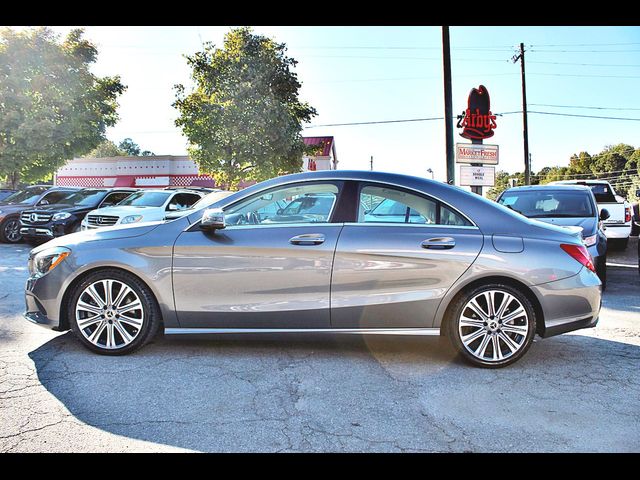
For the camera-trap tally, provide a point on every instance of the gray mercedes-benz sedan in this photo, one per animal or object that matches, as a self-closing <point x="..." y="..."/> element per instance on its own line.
<point x="301" y="253"/>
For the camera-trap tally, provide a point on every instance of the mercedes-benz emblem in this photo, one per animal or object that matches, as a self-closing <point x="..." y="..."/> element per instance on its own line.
<point x="33" y="217"/>
<point x="99" y="219"/>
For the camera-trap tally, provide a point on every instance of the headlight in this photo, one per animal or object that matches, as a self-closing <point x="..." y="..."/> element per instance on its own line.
<point x="61" y="216"/>
<point x="46" y="260"/>
<point x="131" y="219"/>
<point x="592" y="240"/>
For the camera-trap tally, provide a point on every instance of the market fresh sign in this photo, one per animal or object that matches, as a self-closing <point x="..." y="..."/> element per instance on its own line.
<point x="476" y="153"/>
<point x="477" y="176"/>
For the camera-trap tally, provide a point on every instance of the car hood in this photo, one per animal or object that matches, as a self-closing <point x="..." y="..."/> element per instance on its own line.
<point x="107" y="233"/>
<point x="7" y="208"/>
<point x="122" y="211"/>
<point x="588" y="225"/>
<point x="62" y="207"/>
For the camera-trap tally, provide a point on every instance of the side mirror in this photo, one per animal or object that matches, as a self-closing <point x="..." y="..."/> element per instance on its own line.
<point x="604" y="214"/>
<point x="44" y="201"/>
<point x="212" y="219"/>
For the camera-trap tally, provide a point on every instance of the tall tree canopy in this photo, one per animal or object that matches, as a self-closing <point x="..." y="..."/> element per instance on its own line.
<point x="129" y="147"/>
<point x="243" y="119"/>
<point x="52" y="108"/>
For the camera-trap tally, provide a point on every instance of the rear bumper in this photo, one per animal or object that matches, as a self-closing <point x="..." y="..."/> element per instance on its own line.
<point x="620" y="230"/>
<point x="570" y="304"/>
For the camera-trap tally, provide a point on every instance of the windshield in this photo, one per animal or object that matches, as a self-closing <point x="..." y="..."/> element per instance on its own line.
<point x="540" y="204"/>
<point x="85" y="197"/>
<point x="28" y="195"/>
<point x="146" y="199"/>
<point x="210" y="199"/>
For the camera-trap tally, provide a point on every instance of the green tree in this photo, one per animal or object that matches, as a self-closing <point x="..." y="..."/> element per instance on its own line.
<point x="106" y="148"/>
<point x="52" y="108"/>
<point x="243" y="119"/>
<point x="131" y="148"/>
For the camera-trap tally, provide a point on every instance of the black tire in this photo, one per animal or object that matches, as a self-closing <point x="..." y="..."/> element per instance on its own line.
<point x="601" y="270"/>
<point x="7" y="230"/>
<point x="458" y="307"/>
<point x="151" y="311"/>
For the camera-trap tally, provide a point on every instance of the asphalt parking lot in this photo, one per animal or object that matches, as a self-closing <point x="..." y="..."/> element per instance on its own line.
<point x="576" y="392"/>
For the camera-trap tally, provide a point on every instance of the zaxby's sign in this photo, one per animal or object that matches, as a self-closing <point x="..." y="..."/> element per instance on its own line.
<point x="477" y="121"/>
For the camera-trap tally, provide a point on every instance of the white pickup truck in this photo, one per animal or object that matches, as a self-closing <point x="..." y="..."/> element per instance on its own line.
<point x="617" y="227"/>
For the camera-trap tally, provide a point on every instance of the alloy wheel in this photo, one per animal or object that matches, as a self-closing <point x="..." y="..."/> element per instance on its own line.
<point x="493" y="326"/>
<point x="109" y="314"/>
<point x="12" y="230"/>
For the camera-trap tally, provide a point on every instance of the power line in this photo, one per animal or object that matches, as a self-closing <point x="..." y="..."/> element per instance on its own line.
<point x="583" y="44"/>
<point x="580" y="106"/>
<point x="585" y="51"/>
<point x="585" y="116"/>
<point x="587" y="64"/>
<point x="404" y="58"/>
<point x="376" y="122"/>
<point x="581" y="75"/>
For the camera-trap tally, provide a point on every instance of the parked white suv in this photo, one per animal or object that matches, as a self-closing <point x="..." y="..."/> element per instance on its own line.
<point x="143" y="206"/>
<point x="617" y="227"/>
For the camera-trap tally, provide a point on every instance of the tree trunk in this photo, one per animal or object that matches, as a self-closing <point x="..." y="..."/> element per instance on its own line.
<point x="14" y="178"/>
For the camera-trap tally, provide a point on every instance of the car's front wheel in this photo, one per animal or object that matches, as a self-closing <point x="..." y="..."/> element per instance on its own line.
<point x="10" y="230"/>
<point x="113" y="313"/>
<point x="492" y="325"/>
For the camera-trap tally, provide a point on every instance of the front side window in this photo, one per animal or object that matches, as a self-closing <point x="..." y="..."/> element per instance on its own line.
<point x="182" y="201"/>
<point x="114" y="198"/>
<point x="302" y="203"/>
<point x="391" y="205"/>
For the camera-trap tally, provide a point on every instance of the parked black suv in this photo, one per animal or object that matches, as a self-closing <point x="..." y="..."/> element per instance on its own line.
<point x="34" y="196"/>
<point x="44" y="223"/>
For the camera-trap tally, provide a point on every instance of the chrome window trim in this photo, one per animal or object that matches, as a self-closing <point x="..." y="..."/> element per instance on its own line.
<point x="399" y="224"/>
<point x="346" y="179"/>
<point x="288" y="225"/>
<point x="352" y="331"/>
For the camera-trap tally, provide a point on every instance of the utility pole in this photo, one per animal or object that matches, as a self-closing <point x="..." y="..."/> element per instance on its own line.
<point x="448" y="110"/>
<point x="525" y="132"/>
<point x="371" y="162"/>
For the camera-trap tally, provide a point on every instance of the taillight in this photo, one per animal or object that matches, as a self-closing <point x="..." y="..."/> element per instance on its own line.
<point x="580" y="253"/>
<point x="627" y="214"/>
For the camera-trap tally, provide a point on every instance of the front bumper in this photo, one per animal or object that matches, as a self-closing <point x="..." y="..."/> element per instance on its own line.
<point x="47" y="231"/>
<point x="571" y="303"/>
<point x="42" y="297"/>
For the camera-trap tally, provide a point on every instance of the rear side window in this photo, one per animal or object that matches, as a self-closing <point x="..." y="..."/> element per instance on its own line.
<point x="114" y="198"/>
<point x="391" y="205"/>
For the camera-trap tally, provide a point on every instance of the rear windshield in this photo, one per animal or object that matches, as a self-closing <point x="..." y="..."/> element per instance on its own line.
<point x="602" y="192"/>
<point x="539" y="204"/>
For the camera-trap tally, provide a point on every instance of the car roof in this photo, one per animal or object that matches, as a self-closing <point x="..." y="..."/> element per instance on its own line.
<point x="573" y="182"/>
<point x="579" y="188"/>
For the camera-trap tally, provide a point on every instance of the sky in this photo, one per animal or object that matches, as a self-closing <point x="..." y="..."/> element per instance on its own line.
<point x="363" y="74"/>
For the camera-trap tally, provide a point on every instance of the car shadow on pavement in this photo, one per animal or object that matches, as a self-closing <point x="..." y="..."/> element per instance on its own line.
<point x="306" y="393"/>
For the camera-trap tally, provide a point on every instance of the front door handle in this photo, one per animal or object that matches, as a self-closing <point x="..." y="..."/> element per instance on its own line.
<point x="440" y="243"/>
<point x="307" y="239"/>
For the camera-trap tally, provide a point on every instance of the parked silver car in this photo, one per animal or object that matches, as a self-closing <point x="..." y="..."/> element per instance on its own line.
<point x="471" y="269"/>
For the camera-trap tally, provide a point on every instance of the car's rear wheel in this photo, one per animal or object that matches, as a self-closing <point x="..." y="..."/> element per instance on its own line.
<point x="492" y="325"/>
<point x="10" y="230"/>
<point x="113" y="313"/>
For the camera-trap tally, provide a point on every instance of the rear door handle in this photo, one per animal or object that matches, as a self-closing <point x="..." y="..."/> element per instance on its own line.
<point x="439" y="243"/>
<point x="307" y="239"/>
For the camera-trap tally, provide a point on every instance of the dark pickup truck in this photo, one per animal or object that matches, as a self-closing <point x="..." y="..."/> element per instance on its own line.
<point x="44" y="223"/>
